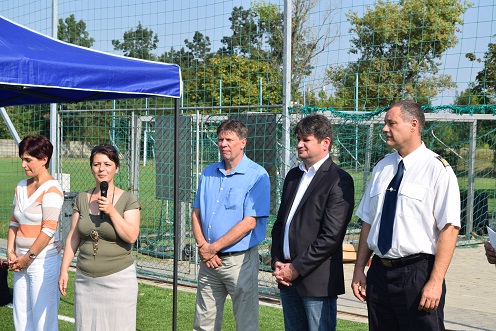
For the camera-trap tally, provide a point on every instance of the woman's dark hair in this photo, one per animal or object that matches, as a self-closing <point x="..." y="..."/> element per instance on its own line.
<point x="108" y="150"/>
<point x="36" y="146"/>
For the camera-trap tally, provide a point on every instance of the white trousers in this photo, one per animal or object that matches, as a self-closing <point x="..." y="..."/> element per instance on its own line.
<point x="37" y="296"/>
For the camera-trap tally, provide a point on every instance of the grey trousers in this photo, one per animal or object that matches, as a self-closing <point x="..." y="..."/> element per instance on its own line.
<point x="238" y="277"/>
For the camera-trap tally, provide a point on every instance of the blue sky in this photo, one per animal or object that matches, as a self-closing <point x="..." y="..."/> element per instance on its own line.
<point x="176" y="20"/>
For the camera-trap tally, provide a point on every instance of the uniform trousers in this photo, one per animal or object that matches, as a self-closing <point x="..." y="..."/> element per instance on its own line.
<point x="37" y="296"/>
<point x="393" y="297"/>
<point x="238" y="277"/>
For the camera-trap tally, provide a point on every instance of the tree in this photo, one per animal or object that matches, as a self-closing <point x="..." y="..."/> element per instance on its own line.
<point x="246" y="37"/>
<point x="191" y="59"/>
<point x="257" y="33"/>
<point x="199" y="48"/>
<point x="138" y="43"/>
<point x="482" y="92"/>
<point x="485" y="81"/>
<point x="74" y="32"/>
<point x="399" y="47"/>
<point x="240" y="82"/>
<point x="308" y="40"/>
<point x="469" y="97"/>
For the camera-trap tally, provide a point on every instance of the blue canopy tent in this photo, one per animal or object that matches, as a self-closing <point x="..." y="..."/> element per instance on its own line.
<point x="37" y="69"/>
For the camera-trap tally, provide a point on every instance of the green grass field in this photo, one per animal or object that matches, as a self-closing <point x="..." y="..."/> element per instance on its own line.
<point x="154" y="312"/>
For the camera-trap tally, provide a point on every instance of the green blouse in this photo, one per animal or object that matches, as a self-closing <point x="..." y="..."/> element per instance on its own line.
<point x="112" y="254"/>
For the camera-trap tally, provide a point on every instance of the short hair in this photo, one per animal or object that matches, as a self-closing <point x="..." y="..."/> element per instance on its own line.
<point x="316" y="124"/>
<point x="108" y="150"/>
<point x="36" y="146"/>
<point x="234" y="126"/>
<point x="411" y="110"/>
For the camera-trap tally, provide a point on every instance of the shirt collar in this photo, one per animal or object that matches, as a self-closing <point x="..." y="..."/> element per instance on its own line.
<point x="412" y="157"/>
<point x="315" y="167"/>
<point x="241" y="167"/>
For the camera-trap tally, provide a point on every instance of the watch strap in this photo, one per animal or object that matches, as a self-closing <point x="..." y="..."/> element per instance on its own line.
<point x="31" y="255"/>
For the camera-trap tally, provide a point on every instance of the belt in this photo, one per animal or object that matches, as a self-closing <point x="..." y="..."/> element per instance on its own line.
<point x="223" y="254"/>
<point x="404" y="261"/>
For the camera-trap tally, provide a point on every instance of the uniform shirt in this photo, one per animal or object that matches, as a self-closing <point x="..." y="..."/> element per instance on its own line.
<point x="428" y="199"/>
<point x="306" y="179"/>
<point x="35" y="214"/>
<point x="225" y="199"/>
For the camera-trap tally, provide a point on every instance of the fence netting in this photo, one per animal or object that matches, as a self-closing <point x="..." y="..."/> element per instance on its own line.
<point x="349" y="60"/>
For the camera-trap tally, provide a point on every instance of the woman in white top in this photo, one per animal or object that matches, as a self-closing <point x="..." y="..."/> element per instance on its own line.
<point x="33" y="245"/>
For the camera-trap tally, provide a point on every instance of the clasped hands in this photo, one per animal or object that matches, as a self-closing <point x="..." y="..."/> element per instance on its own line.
<point x="16" y="264"/>
<point x="285" y="273"/>
<point x="209" y="256"/>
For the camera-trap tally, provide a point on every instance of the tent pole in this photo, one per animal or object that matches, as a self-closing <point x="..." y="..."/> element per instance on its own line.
<point x="54" y="140"/>
<point x="177" y="214"/>
<point x="53" y="107"/>
<point x="10" y="125"/>
<point x="286" y="91"/>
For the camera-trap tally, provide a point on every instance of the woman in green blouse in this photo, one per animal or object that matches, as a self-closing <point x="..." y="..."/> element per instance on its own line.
<point x="103" y="228"/>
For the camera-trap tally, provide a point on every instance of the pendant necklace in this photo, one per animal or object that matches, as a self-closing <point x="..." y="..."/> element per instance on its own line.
<point x="94" y="234"/>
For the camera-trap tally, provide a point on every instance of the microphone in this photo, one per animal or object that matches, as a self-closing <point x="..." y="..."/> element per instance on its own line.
<point x="103" y="193"/>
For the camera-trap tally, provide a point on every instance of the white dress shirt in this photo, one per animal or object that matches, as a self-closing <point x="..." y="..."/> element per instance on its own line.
<point x="428" y="199"/>
<point x="304" y="183"/>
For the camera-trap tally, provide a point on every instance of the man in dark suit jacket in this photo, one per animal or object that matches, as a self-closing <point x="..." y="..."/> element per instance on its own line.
<point x="316" y="207"/>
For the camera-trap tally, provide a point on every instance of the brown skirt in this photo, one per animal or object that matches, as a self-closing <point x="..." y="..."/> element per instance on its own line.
<point x="106" y="303"/>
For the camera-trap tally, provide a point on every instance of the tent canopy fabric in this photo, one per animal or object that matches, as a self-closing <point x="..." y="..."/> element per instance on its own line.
<point x="37" y="69"/>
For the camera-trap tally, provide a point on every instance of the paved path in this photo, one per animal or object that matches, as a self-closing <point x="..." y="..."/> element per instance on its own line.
<point x="471" y="293"/>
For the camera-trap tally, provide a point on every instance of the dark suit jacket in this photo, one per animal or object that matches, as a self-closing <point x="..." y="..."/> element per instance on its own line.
<point x="317" y="230"/>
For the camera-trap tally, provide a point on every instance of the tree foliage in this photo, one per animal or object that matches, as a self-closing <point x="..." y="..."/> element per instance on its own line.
<point x="399" y="47"/>
<point x="483" y="91"/>
<point x="257" y="32"/>
<point x="246" y="38"/>
<point x="199" y="47"/>
<point x="138" y="43"/>
<point x="240" y="82"/>
<point x="74" y="32"/>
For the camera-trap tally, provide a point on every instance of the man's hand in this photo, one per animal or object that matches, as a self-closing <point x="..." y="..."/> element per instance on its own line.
<point x="359" y="285"/>
<point x="490" y="252"/>
<point x="214" y="262"/>
<point x="209" y="256"/>
<point x="285" y="273"/>
<point x="206" y="252"/>
<point x="431" y="293"/>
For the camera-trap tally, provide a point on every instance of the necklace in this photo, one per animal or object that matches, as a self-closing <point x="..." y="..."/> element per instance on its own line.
<point x="94" y="234"/>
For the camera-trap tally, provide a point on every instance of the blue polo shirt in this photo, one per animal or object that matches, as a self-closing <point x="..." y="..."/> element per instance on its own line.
<point x="224" y="200"/>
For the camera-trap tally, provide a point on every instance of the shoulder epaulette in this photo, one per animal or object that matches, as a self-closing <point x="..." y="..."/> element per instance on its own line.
<point x="379" y="160"/>
<point x="443" y="161"/>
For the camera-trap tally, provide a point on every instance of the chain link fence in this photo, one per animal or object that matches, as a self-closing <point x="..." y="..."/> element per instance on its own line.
<point x="466" y="141"/>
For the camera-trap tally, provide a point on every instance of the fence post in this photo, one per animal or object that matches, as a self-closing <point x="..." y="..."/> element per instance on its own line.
<point x="471" y="178"/>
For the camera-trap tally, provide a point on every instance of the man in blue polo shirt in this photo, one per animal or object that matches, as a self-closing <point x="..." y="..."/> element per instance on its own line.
<point x="229" y="221"/>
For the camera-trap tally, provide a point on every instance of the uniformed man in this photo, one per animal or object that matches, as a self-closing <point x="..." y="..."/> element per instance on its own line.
<point x="411" y="217"/>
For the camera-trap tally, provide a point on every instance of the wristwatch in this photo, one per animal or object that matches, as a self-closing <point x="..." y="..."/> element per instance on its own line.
<point x="31" y="255"/>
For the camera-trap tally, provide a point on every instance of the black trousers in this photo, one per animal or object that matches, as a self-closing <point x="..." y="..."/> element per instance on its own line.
<point x="5" y="295"/>
<point x="393" y="297"/>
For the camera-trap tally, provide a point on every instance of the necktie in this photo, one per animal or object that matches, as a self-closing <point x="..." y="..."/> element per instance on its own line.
<point x="389" y="211"/>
